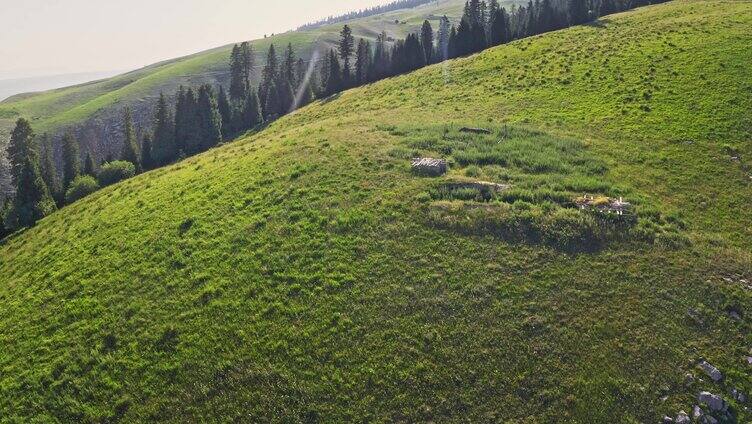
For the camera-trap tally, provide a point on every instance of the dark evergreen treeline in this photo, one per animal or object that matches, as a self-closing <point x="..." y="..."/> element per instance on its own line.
<point x="395" y="5"/>
<point x="202" y="117"/>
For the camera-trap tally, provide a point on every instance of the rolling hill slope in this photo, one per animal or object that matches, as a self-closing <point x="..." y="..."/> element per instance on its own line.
<point x="95" y="108"/>
<point x="304" y="274"/>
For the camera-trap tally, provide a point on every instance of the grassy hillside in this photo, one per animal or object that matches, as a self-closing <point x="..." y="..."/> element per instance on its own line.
<point x="304" y="274"/>
<point x="99" y="103"/>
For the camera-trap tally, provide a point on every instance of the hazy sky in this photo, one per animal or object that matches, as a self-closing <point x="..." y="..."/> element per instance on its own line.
<point x="39" y="37"/>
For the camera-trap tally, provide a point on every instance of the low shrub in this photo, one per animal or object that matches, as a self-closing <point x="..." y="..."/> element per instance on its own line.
<point x="81" y="187"/>
<point x="473" y="171"/>
<point x="114" y="172"/>
<point x="569" y="229"/>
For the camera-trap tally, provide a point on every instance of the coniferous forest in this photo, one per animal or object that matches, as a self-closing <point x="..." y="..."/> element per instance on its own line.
<point x="202" y="117"/>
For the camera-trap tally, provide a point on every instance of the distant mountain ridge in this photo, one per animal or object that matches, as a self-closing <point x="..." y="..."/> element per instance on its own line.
<point x="14" y="86"/>
<point x="93" y="111"/>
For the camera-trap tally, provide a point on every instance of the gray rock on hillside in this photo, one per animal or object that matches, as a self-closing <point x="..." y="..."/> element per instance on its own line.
<point x="714" y="402"/>
<point x="429" y="166"/>
<point x="711" y="371"/>
<point x="697" y="413"/>
<point x="738" y="395"/>
<point x="682" y="418"/>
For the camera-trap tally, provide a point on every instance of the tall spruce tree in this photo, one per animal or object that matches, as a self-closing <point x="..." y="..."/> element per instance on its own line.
<point x="380" y="63"/>
<point x="248" y="62"/>
<point x="547" y="17"/>
<point x="251" y="113"/>
<point x="426" y="40"/>
<point x="268" y="75"/>
<point x="272" y="106"/>
<point x="225" y="112"/>
<point x="452" y="47"/>
<point x="6" y="186"/>
<point x="32" y="200"/>
<point x="130" y="152"/>
<point x="300" y="72"/>
<point x="208" y="118"/>
<point x="578" y="12"/>
<point x="237" y="75"/>
<point x="346" y="46"/>
<point x="285" y="96"/>
<point x="49" y="170"/>
<point x="146" y="157"/>
<point x="163" y="145"/>
<point x="334" y="75"/>
<point x="531" y="26"/>
<point x="415" y="57"/>
<point x="464" y="38"/>
<point x="71" y="160"/>
<point x="187" y="138"/>
<point x="20" y="147"/>
<point x="287" y="72"/>
<point x="362" y="62"/>
<point x="499" y="32"/>
<point x="90" y="168"/>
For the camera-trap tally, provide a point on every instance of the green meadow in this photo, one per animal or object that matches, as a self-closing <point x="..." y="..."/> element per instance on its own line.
<point x="55" y="110"/>
<point x="304" y="273"/>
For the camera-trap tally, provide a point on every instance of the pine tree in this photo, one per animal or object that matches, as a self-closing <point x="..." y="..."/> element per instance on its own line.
<point x="380" y="63"/>
<point x="251" y="113"/>
<point x="300" y="72"/>
<point x="268" y="75"/>
<point x="130" y="152"/>
<point x="426" y="40"/>
<point x="607" y="7"/>
<point x="6" y="186"/>
<point x="225" y="112"/>
<point x="32" y="200"/>
<point x="531" y="27"/>
<point x="248" y="61"/>
<point x="146" y="158"/>
<point x="464" y="38"/>
<point x="272" y="106"/>
<point x="71" y="160"/>
<point x="578" y="12"/>
<point x="362" y="62"/>
<point x="237" y="74"/>
<point x="334" y="75"/>
<point x="187" y="138"/>
<point x="452" y="47"/>
<point x="163" y="149"/>
<point x="208" y="119"/>
<point x="499" y="32"/>
<point x="493" y="7"/>
<point x="287" y="73"/>
<point x="346" y="46"/>
<point x="547" y="17"/>
<point x="415" y="57"/>
<point x="285" y="96"/>
<point x="90" y="168"/>
<point x="49" y="170"/>
<point x="20" y="147"/>
<point x="443" y="38"/>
